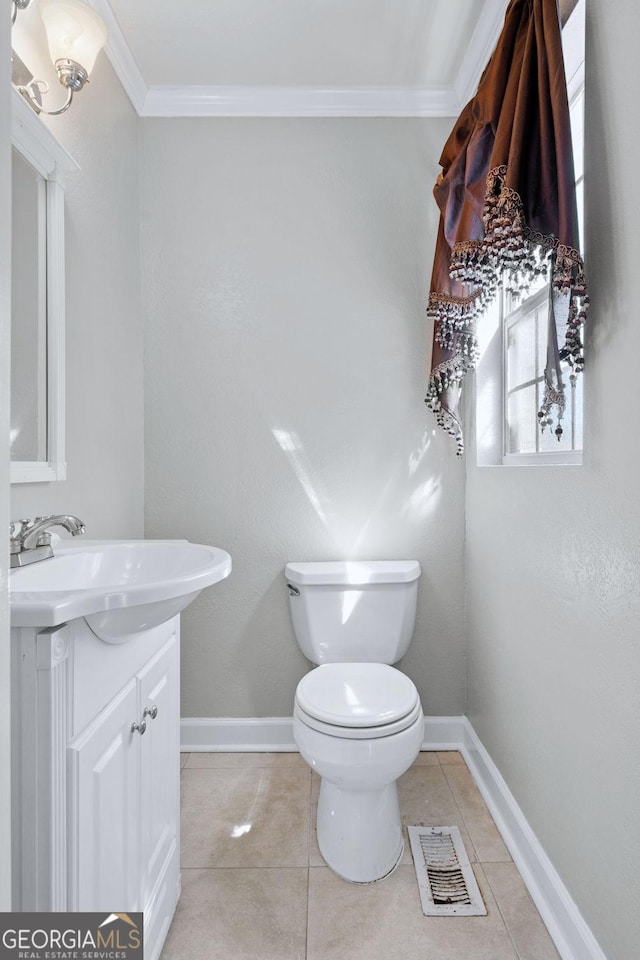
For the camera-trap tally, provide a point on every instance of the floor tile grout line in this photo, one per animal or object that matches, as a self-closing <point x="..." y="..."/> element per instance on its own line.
<point x="467" y="826"/>
<point x="286" y="866"/>
<point x="502" y="916"/>
<point x="310" y="831"/>
<point x="237" y="866"/>
<point x="306" y="926"/>
<point x="311" y="842"/>
<point x="460" y="813"/>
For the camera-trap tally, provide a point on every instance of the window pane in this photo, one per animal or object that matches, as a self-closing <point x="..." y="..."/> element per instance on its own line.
<point x="521" y="350"/>
<point x="576" y="116"/>
<point x="571" y="438"/>
<point x="549" y="442"/>
<point x="578" y="411"/>
<point x="522" y="426"/>
<point x="580" y="203"/>
<point x="543" y="331"/>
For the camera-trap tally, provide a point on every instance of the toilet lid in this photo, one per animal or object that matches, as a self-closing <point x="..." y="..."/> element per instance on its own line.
<point x="356" y="694"/>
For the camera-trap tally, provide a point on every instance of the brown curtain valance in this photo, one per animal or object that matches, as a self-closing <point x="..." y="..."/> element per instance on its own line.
<point x="508" y="210"/>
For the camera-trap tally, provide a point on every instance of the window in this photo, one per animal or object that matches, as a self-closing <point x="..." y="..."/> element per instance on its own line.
<point x="513" y="335"/>
<point x="525" y="341"/>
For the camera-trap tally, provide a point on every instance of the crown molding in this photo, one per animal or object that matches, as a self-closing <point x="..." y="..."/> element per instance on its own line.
<point x="122" y="60"/>
<point x="299" y="102"/>
<point x="263" y="101"/>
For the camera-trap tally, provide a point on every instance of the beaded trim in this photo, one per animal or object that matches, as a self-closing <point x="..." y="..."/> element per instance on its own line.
<point x="516" y="255"/>
<point x="444" y="376"/>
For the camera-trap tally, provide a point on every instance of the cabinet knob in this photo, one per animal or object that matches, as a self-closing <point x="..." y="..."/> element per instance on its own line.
<point x="151" y="711"/>
<point x="139" y="727"/>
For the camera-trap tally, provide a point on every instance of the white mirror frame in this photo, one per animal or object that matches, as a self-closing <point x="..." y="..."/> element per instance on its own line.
<point x="41" y="149"/>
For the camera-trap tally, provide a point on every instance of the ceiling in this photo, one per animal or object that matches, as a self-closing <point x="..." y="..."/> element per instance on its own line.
<point x="300" y="57"/>
<point x="329" y="43"/>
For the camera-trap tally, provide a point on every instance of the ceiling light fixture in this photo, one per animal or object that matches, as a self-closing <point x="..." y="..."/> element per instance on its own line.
<point x="76" y="35"/>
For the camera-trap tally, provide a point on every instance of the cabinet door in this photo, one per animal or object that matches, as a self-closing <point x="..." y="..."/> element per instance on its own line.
<point x="104" y="793"/>
<point x="160" y="781"/>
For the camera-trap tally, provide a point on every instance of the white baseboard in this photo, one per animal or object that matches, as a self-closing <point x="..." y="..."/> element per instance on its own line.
<point x="237" y="734"/>
<point x="572" y="937"/>
<point x="275" y="734"/>
<point x="443" y="733"/>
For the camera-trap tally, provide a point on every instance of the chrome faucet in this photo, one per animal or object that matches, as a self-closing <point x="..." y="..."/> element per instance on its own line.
<point x="30" y="540"/>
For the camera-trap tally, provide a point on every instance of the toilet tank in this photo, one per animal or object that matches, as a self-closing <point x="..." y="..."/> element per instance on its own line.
<point x="353" y="611"/>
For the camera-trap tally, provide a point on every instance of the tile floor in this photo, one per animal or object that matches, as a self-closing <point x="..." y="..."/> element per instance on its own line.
<point x="255" y="887"/>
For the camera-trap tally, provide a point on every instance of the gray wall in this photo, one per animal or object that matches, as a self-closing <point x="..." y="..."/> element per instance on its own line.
<point x="553" y="558"/>
<point x="105" y="477"/>
<point x="5" y="308"/>
<point x="285" y="270"/>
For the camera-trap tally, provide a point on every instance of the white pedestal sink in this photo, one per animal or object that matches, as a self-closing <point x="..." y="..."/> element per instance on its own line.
<point x="95" y="703"/>
<point x="120" y="587"/>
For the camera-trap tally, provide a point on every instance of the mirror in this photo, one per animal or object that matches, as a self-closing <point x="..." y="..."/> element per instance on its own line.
<point x="39" y="164"/>
<point x="28" y="311"/>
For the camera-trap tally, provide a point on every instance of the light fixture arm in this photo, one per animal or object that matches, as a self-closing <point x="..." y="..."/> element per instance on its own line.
<point x="33" y="91"/>
<point x="70" y="74"/>
<point x="18" y="5"/>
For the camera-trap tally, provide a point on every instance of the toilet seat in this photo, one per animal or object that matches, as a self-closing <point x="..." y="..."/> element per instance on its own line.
<point x="357" y="700"/>
<point x="359" y="733"/>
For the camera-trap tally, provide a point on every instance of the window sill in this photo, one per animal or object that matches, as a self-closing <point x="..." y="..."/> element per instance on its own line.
<point x="568" y="458"/>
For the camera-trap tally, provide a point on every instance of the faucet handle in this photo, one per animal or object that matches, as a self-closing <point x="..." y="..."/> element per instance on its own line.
<point x="16" y="529"/>
<point x="17" y="526"/>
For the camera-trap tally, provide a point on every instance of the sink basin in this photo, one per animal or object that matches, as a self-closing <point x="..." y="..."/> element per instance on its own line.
<point x="119" y="586"/>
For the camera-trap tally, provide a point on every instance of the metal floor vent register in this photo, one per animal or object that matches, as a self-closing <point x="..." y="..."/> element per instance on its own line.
<point x="446" y="879"/>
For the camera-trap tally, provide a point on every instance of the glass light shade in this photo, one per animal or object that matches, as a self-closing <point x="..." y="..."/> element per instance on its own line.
<point x="74" y="31"/>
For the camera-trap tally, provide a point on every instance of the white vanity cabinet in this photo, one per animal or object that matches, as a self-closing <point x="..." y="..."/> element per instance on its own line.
<point x="96" y="775"/>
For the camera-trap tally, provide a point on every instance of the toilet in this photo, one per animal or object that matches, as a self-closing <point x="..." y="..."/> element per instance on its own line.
<point x="357" y="721"/>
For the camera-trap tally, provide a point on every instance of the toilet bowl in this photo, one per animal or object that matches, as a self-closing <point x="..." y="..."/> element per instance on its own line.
<point x="360" y="727"/>
<point x="357" y="720"/>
